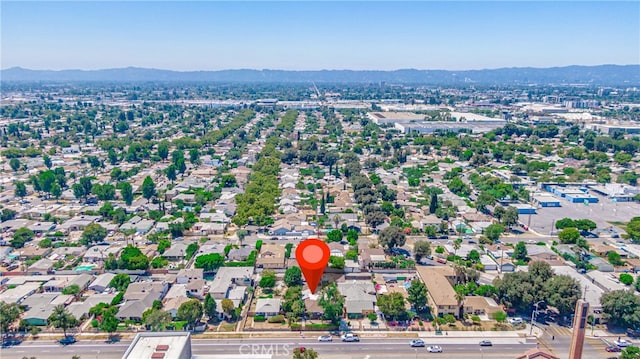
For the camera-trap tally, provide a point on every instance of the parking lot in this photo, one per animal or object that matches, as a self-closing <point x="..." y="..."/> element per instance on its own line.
<point x="602" y="213"/>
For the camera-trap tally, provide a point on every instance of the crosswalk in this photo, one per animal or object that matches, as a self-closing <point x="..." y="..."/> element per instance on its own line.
<point x="557" y="331"/>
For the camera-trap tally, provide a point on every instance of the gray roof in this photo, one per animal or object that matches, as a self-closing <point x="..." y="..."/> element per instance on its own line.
<point x="268" y="305"/>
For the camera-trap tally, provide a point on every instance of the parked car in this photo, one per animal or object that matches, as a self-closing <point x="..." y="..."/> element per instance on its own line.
<point x="434" y="349"/>
<point x="350" y="337"/>
<point x="417" y="343"/>
<point x="400" y="252"/>
<point x="515" y="320"/>
<point x="67" y="340"/>
<point x="613" y="349"/>
<point x="486" y="343"/>
<point x="325" y="338"/>
<point x="335" y="332"/>
<point x="633" y="333"/>
<point x="622" y="343"/>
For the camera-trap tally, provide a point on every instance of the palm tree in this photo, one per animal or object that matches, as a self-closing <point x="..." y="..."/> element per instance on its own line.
<point x="460" y="295"/>
<point x="456" y="245"/>
<point x="61" y="318"/>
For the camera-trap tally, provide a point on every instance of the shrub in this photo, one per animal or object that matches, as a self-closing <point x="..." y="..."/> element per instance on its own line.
<point x="449" y="318"/>
<point x="626" y="279"/>
<point x="259" y="318"/>
<point x="276" y="319"/>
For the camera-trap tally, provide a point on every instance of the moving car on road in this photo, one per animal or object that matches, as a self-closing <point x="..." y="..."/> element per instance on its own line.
<point x="325" y="338"/>
<point x="67" y="340"/>
<point x="350" y="337"/>
<point x="622" y="343"/>
<point x="417" y="343"/>
<point x="486" y="343"/>
<point x="613" y="349"/>
<point x="434" y="349"/>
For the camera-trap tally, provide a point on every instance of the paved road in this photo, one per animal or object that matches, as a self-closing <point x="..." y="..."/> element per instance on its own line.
<point x="370" y="348"/>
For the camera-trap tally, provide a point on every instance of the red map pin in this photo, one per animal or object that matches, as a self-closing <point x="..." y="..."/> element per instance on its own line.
<point x="313" y="256"/>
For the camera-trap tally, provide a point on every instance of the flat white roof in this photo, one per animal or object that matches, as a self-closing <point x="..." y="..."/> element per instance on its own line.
<point x="145" y="345"/>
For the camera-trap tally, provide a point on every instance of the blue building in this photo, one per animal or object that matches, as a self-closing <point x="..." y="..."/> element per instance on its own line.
<point x="546" y="201"/>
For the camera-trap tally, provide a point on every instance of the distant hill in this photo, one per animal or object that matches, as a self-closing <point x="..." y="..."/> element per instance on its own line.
<point x="628" y="75"/>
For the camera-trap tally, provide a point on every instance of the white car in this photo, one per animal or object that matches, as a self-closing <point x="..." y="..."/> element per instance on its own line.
<point x="350" y="337"/>
<point x="325" y="338"/>
<point x="434" y="349"/>
<point x="515" y="320"/>
<point x="622" y="343"/>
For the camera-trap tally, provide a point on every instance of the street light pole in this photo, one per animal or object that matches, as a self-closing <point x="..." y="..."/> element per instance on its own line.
<point x="533" y="312"/>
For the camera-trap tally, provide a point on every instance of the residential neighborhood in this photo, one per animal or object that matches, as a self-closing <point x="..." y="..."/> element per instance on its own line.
<point x="454" y="213"/>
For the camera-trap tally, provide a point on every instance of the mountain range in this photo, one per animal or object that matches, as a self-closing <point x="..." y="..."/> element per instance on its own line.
<point x="612" y="75"/>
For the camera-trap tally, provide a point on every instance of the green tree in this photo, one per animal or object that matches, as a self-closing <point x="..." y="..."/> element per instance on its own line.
<point x="62" y="319"/>
<point x="163" y="150"/>
<point x="9" y="313"/>
<point x="520" y="252"/>
<point x="156" y="319"/>
<point x="126" y="191"/>
<point x="120" y="282"/>
<point x="93" y="233"/>
<point x="392" y="305"/>
<point x="268" y="279"/>
<point x="493" y="231"/>
<point x="585" y="225"/>
<point x="633" y="229"/>
<point x="56" y="191"/>
<point x="569" y="235"/>
<point x="209" y="262"/>
<point x="148" y="188"/>
<point x="510" y="217"/>
<point x="615" y="258"/>
<point x="630" y="352"/>
<point x="421" y="249"/>
<point x="332" y="302"/>
<point x="20" y="190"/>
<point x="336" y="262"/>
<point x="171" y="173"/>
<point x="392" y="236"/>
<point x="163" y="245"/>
<point x="417" y="295"/>
<point x="565" y="223"/>
<point x="109" y="323"/>
<point x="210" y="306"/>
<point x="190" y="311"/>
<point x="228" y="307"/>
<point x="21" y="236"/>
<point x="500" y="316"/>
<point x="14" y="163"/>
<point x="626" y="279"/>
<point x="293" y="276"/>
<point x="433" y="203"/>
<point x="334" y="236"/>
<point x="622" y="308"/>
<point x="563" y="292"/>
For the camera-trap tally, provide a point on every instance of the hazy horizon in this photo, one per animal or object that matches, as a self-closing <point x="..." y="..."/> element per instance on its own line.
<point x="312" y="36"/>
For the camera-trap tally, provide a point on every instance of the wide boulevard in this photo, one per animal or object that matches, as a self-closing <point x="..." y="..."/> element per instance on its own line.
<point x="367" y="348"/>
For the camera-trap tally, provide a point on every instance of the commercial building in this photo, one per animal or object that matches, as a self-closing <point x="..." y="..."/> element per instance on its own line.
<point x="160" y="346"/>
<point x="544" y="200"/>
<point x="617" y="192"/>
<point x="572" y="194"/>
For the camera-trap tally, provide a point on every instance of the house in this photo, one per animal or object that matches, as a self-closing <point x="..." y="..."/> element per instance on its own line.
<point x="209" y="228"/>
<point x="101" y="283"/>
<point x="271" y="256"/>
<point x="537" y="353"/>
<point x="476" y="305"/>
<point x="360" y="298"/>
<point x="239" y="254"/>
<point x="601" y="264"/>
<point x="439" y="282"/>
<point x="176" y="252"/>
<point x="81" y="309"/>
<point x="268" y="307"/>
<point x="172" y="305"/>
<point x="229" y="278"/>
<point x="189" y="275"/>
<point x="39" y="308"/>
<point x="506" y="266"/>
<point x="139" y="297"/>
<point x="488" y="263"/>
<point x="41" y="266"/>
<point x="336" y="249"/>
<point x="195" y="288"/>
<point x="370" y="256"/>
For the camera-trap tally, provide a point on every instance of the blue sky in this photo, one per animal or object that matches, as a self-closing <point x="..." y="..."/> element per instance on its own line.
<point x="205" y="35"/>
